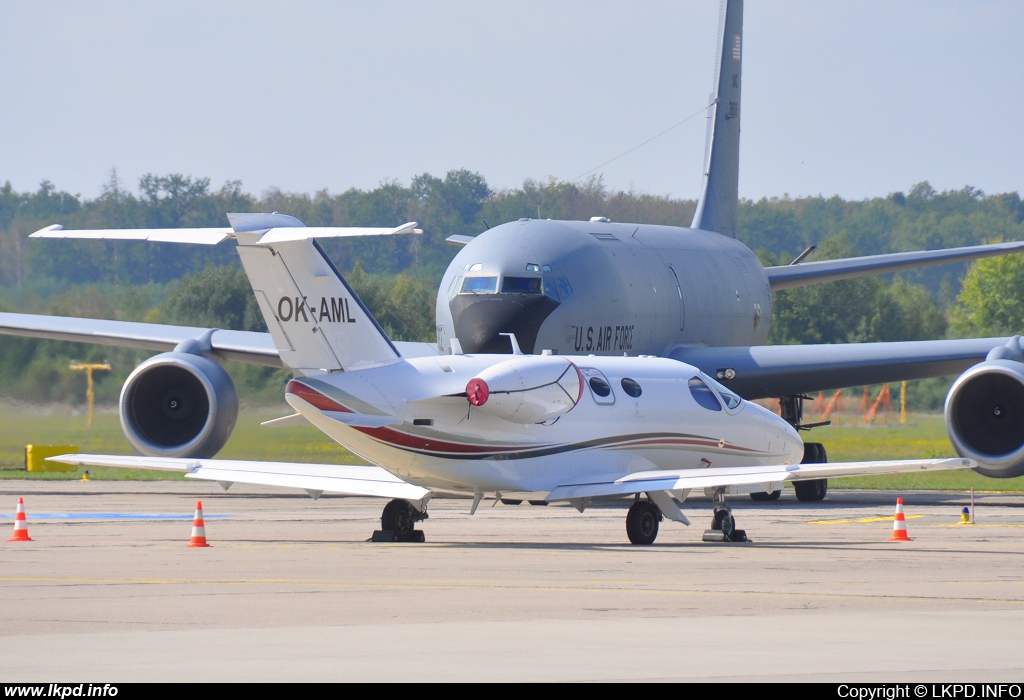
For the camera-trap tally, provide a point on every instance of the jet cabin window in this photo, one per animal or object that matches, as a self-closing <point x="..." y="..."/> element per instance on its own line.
<point x="600" y="389"/>
<point x="480" y="285"/>
<point x="631" y="387"/>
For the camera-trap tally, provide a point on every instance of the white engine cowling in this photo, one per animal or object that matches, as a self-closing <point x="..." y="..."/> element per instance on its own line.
<point x="178" y="405"/>
<point x="985" y="417"/>
<point x="527" y="389"/>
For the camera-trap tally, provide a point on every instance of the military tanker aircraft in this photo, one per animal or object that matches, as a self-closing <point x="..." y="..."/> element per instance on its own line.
<point x="700" y="296"/>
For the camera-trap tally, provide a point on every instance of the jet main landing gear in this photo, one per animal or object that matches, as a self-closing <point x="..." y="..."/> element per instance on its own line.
<point x="723" y="524"/>
<point x="398" y="523"/>
<point x="642" y="522"/>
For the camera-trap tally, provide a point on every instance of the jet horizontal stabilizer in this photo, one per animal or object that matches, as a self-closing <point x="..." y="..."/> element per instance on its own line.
<point x="284" y="228"/>
<point x="293" y="421"/>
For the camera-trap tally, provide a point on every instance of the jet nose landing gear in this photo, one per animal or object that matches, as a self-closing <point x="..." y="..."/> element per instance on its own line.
<point x="723" y="524"/>
<point x="398" y="523"/>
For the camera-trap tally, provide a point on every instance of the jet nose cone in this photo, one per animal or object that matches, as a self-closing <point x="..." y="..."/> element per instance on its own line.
<point x="480" y="318"/>
<point x="794" y="443"/>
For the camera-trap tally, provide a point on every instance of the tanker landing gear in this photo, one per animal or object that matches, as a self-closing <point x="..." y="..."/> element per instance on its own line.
<point x="398" y="523"/>
<point x="792" y="408"/>
<point x="812" y="489"/>
<point x="723" y="524"/>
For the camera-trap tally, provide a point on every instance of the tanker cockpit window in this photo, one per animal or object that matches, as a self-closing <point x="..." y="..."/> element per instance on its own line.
<point x="551" y="288"/>
<point x="480" y="285"/>
<point x="454" y="287"/>
<point x="520" y="285"/>
<point x="557" y="288"/>
<point x="703" y="395"/>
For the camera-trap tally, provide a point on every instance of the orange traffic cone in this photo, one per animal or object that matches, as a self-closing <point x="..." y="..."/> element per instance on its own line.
<point x="198" y="528"/>
<point x="899" y="524"/>
<point x="20" y="525"/>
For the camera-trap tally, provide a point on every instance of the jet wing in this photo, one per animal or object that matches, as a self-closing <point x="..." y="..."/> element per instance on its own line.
<point x="243" y="346"/>
<point x="755" y="478"/>
<point x="766" y="371"/>
<point x="787" y="276"/>
<point x="331" y="478"/>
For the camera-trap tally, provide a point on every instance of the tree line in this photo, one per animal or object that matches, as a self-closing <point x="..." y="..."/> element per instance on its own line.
<point x="398" y="276"/>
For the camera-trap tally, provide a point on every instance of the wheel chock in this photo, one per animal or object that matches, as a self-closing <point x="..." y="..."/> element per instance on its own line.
<point x="390" y="536"/>
<point x="717" y="536"/>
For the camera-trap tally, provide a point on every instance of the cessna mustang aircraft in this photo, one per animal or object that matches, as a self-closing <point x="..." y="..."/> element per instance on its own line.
<point x="559" y="428"/>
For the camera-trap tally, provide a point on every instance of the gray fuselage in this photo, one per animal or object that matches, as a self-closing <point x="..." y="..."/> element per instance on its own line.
<point x="602" y="288"/>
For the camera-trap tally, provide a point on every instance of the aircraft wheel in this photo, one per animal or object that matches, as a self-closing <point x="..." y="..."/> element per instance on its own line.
<point x="766" y="496"/>
<point x="642" y="522"/>
<point x="400" y="517"/>
<point x="511" y="501"/>
<point x="538" y="503"/>
<point x="728" y="524"/>
<point x="814" y="453"/>
<point x="722" y="519"/>
<point x="813" y="489"/>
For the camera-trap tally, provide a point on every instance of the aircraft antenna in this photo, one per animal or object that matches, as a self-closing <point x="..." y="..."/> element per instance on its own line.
<point x="699" y="112"/>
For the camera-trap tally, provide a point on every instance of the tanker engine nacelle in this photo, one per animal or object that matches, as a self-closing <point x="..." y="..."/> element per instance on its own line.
<point x="178" y="405"/>
<point x="985" y="413"/>
<point x="532" y="391"/>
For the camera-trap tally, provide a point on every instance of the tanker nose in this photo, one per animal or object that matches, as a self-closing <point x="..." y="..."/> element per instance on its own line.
<point x="480" y="319"/>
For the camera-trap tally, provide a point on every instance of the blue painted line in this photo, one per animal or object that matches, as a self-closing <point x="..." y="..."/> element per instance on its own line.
<point x="117" y="516"/>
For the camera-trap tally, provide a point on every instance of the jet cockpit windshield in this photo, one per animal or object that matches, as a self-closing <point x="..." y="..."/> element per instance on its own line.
<point x="731" y="400"/>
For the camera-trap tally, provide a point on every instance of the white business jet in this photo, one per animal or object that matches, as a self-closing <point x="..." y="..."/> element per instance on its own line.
<point x="545" y="427"/>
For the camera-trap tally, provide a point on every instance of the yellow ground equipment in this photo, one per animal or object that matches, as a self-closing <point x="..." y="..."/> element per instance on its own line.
<point x="90" y="393"/>
<point x="35" y="458"/>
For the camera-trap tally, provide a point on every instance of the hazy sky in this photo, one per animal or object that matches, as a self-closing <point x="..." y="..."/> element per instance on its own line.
<point x="857" y="98"/>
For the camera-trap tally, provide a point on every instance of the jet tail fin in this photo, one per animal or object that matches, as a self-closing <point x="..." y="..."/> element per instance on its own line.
<point x="718" y="205"/>
<point x="315" y="318"/>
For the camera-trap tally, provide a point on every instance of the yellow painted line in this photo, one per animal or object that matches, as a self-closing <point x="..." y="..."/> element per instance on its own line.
<point x="860" y="520"/>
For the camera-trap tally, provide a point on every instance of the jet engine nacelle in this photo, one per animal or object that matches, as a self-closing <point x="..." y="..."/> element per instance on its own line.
<point x="527" y="389"/>
<point x="178" y="405"/>
<point x="985" y="416"/>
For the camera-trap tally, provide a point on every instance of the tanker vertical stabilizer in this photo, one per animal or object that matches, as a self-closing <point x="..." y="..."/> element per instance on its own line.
<point x="719" y="198"/>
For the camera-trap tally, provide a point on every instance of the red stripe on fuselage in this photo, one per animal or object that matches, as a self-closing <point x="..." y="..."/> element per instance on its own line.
<point x="314" y="397"/>
<point x="390" y="436"/>
<point x="399" y="439"/>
